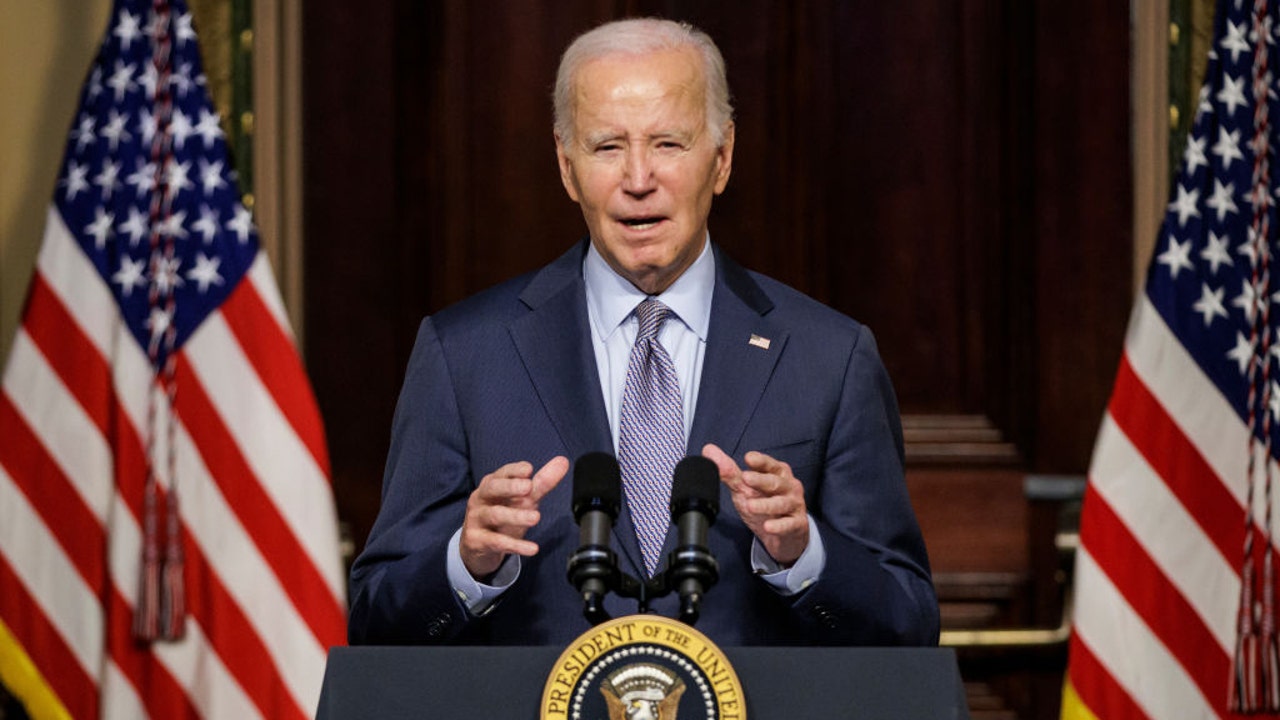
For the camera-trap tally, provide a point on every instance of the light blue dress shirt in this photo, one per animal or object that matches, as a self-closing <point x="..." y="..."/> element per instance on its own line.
<point x="611" y="303"/>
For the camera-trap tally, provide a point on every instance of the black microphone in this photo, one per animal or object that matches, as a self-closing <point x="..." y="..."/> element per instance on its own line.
<point x="597" y="493"/>
<point x="695" y="501"/>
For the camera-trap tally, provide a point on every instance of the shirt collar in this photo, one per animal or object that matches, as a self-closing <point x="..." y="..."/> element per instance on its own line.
<point x="613" y="297"/>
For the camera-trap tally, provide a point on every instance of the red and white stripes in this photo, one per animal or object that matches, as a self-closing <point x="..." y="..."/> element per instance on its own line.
<point x="1157" y="576"/>
<point x="265" y="589"/>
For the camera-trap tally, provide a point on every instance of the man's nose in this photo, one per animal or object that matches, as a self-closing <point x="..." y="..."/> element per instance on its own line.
<point x="637" y="178"/>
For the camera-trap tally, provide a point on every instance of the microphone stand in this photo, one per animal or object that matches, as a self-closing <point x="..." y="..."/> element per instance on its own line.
<point x="691" y="569"/>
<point x="684" y="564"/>
<point x="594" y="566"/>
<point x="643" y="591"/>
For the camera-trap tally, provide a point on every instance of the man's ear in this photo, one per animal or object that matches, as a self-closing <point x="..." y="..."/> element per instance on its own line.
<point x="724" y="158"/>
<point x="566" y="170"/>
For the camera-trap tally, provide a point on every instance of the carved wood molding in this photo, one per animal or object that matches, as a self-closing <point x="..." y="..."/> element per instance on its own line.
<point x="956" y="439"/>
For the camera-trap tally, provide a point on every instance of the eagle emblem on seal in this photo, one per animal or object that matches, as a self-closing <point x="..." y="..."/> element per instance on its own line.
<point x="643" y="691"/>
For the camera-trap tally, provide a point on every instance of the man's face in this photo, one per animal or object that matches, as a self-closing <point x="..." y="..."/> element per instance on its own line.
<point x="643" y="163"/>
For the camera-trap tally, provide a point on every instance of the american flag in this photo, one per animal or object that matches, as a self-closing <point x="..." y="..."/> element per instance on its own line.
<point x="1175" y="611"/>
<point x="155" y="415"/>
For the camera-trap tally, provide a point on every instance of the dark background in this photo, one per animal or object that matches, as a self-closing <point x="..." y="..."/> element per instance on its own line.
<point x="953" y="173"/>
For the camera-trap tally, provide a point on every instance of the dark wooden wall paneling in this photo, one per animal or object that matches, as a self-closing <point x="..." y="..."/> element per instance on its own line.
<point x="355" y="329"/>
<point x="1082" y="220"/>
<point x="954" y="173"/>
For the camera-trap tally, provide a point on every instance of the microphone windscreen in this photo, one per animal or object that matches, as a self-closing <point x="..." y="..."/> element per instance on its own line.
<point x="695" y="486"/>
<point x="597" y="485"/>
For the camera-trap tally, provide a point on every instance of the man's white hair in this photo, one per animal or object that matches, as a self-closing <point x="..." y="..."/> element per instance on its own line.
<point x="640" y="36"/>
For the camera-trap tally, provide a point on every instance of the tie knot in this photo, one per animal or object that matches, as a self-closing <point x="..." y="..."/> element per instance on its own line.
<point x="651" y="314"/>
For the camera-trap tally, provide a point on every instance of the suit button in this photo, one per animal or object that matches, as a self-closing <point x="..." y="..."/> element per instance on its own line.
<point x="436" y="627"/>
<point x="827" y="617"/>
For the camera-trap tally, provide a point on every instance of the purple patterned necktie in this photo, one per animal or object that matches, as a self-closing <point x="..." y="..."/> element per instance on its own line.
<point x="651" y="432"/>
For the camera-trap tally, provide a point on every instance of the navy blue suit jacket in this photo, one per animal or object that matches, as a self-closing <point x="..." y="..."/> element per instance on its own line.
<point x="510" y="375"/>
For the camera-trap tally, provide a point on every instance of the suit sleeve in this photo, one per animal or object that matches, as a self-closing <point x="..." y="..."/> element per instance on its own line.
<point x="400" y="592"/>
<point x="876" y="587"/>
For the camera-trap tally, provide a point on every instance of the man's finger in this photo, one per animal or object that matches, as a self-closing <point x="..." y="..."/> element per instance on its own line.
<point x="501" y="490"/>
<point x="506" y="518"/>
<point x="730" y="473"/>
<point x="760" y="462"/>
<point x="518" y="469"/>
<point x="772" y="506"/>
<point x="786" y="525"/>
<point x="766" y="484"/>
<point x="548" y="476"/>
<point x="491" y="542"/>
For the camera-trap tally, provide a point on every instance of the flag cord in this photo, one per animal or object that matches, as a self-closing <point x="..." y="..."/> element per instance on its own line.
<point x="1255" y="685"/>
<point x="160" y="610"/>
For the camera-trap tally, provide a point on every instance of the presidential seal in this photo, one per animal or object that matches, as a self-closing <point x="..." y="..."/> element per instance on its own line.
<point x="643" y="667"/>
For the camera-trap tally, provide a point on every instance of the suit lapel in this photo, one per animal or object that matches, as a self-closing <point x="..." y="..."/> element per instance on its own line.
<point x="743" y="347"/>
<point x="554" y="343"/>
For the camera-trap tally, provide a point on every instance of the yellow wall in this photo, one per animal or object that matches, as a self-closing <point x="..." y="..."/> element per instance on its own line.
<point x="45" y="50"/>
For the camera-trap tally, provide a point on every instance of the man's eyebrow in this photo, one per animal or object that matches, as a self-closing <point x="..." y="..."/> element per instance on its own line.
<point x="604" y="136"/>
<point x="601" y="136"/>
<point x="673" y="134"/>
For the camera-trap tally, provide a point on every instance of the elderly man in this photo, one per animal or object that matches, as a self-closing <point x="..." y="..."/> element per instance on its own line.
<point x="646" y="341"/>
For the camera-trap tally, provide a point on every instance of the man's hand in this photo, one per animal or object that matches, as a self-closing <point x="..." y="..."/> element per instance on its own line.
<point x="769" y="499"/>
<point x="501" y="510"/>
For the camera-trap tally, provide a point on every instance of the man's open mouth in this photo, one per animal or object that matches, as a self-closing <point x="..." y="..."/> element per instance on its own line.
<point x="641" y="223"/>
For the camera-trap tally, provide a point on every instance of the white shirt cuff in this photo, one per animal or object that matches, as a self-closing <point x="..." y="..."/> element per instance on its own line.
<point x="799" y="576"/>
<point x="478" y="597"/>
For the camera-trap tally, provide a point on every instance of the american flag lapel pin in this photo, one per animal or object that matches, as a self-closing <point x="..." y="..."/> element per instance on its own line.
<point x="760" y="342"/>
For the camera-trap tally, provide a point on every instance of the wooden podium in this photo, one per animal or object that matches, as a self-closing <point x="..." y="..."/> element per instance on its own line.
<point x="780" y="683"/>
